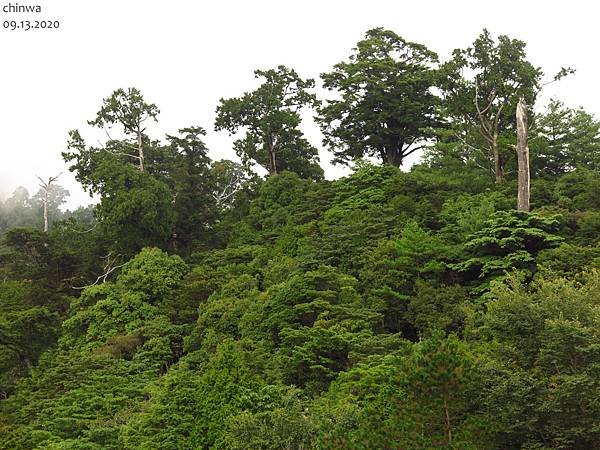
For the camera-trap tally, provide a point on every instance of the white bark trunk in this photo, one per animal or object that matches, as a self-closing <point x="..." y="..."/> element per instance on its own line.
<point x="140" y="149"/>
<point x="46" y="185"/>
<point x="46" y="208"/>
<point x="522" y="157"/>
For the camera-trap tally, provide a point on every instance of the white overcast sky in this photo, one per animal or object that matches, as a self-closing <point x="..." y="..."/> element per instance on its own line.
<point x="186" y="54"/>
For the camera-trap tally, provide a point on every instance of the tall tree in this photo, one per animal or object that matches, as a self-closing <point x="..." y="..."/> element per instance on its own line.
<point x="46" y="187"/>
<point x="386" y="107"/>
<point x="193" y="186"/>
<point x="482" y="85"/>
<point x="129" y="110"/>
<point x="135" y="209"/>
<point x="564" y="138"/>
<point x="270" y="117"/>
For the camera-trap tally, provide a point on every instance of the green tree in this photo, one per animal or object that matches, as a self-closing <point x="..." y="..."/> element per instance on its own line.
<point x="193" y="188"/>
<point x="29" y="324"/>
<point x="315" y="320"/>
<point x="129" y="110"/>
<point x="136" y="198"/>
<point x="541" y="373"/>
<point x="418" y="397"/>
<point x="509" y="241"/>
<point x="386" y="107"/>
<point x="565" y="138"/>
<point x="17" y="211"/>
<point x="270" y="116"/>
<point x="482" y="85"/>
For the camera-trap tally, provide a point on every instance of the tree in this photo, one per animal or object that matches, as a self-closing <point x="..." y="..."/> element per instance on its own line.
<point x="135" y="209"/>
<point x="128" y="109"/>
<point x="230" y="178"/>
<point x="17" y="210"/>
<point x="270" y="115"/>
<point x="564" y="138"/>
<point x="482" y="85"/>
<point x="46" y="187"/>
<point x="193" y="186"/>
<point x="509" y="241"/>
<point x="387" y="108"/>
<point x="541" y="373"/>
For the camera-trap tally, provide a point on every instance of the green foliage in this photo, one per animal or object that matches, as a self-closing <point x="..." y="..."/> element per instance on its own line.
<point x="270" y="115"/>
<point x="138" y="213"/>
<point x="567" y="261"/>
<point x="191" y="178"/>
<point x="386" y="107"/>
<point x="541" y="372"/>
<point x="509" y="242"/>
<point x="187" y="409"/>
<point x="150" y="193"/>
<point x="276" y="419"/>
<point x="579" y="190"/>
<point x="105" y="311"/>
<point x="415" y="398"/>
<point x="314" y="320"/>
<point x="566" y="138"/>
<point x="294" y="312"/>
<point x="29" y="324"/>
<point x="482" y="85"/>
<point x="126" y="108"/>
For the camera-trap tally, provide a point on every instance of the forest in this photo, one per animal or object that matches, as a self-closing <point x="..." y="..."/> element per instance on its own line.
<point x="200" y="304"/>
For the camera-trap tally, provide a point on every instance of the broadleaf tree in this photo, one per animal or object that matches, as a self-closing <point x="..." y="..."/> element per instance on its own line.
<point x="482" y="85"/>
<point x="270" y="117"/>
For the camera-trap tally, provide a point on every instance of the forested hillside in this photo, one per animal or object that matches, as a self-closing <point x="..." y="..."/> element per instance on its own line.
<point x="204" y="306"/>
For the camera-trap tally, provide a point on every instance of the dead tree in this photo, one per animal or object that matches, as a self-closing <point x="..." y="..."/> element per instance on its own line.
<point x="111" y="264"/>
<point x="522" y="157"/>
<point x="46" y="186"/>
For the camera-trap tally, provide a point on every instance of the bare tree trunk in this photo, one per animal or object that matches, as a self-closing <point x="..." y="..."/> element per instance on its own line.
<point x="498" y="172"/>
<point x="522" y="157"/>
<point x="46" y="185"/>
<point x="46" y="208"/>
<point x="273" y="161"/>
<point x="448" y="423"/>
<point x="140" y="148"/>
<point x="394" y="157"/>
<point x="274" y="164"/>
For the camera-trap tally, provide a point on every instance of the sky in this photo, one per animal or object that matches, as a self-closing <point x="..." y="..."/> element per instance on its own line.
<point x="184" y="55"/>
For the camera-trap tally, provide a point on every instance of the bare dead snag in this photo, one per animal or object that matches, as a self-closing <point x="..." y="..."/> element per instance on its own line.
<point x="522" y="157"/>
<point x="46" y="185"/>
<point x="109" y="267"/>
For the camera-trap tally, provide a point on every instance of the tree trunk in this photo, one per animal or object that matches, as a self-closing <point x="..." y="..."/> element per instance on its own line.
<point x="46" y="185"/>
<point x="140" y="149"/>
<point x="273" y="162"/>
<point x="498" y="172"/>
<point x="522" y="157"/>
<point x="393" y="157"/>
<point x="448" y="423"/>
<point x="46" y="208"/>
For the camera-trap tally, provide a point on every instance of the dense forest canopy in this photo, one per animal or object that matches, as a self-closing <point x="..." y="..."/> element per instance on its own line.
<point x="200" y="305"/>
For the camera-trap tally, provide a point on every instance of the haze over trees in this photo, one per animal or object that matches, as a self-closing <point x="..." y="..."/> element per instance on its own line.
<point x="200" y="305"/>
